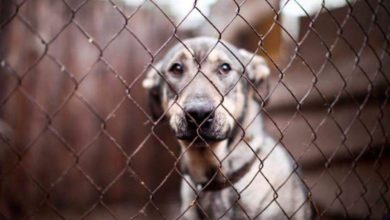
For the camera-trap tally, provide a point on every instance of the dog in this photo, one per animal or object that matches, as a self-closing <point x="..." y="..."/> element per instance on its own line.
<point x="208" y="91"/>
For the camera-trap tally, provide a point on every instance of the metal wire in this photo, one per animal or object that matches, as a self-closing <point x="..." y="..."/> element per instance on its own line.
<point x="373" y="198"/>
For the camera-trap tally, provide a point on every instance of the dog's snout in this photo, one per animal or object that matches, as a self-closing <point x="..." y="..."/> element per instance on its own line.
<point x="201" y="113"/>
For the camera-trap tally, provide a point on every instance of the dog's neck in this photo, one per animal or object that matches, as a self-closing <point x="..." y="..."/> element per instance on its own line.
<point x="230" y="157"/>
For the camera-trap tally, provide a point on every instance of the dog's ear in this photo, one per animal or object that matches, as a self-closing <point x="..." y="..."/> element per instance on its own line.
<point x="257" y="71"/>
<point x="152" y="82"/>
<point x="257" y="68"/>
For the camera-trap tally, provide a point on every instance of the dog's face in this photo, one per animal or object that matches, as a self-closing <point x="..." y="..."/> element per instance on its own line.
<point x="202" y="87"/>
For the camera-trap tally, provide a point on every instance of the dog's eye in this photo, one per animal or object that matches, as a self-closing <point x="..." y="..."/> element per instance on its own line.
<point x="225" y="68"/>
<point x="176" y="69"/>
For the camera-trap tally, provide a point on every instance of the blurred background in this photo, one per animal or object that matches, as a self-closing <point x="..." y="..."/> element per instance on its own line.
<point x="76" y="140"/>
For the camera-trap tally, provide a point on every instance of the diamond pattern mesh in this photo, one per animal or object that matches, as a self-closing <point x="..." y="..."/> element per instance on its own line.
<point x="77" y="140"/>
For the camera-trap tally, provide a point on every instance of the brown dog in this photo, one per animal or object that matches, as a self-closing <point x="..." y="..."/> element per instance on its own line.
<point x="206" y="89"/>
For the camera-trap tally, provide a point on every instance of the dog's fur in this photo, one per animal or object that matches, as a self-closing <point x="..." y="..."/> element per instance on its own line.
<point x="234" y="170"/>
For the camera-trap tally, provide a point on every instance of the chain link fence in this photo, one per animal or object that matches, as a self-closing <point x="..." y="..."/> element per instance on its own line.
<point x="77" y="140"/>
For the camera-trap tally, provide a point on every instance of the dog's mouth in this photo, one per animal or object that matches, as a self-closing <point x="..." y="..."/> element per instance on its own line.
<point x="199" y="135"/>
<point x="208" y="131"/>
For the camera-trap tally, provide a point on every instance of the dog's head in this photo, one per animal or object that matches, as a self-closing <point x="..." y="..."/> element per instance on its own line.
<point x="202" y="86"/>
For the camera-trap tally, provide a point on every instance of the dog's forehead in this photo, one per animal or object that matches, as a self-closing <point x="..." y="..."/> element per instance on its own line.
<point x="201" y="48"/>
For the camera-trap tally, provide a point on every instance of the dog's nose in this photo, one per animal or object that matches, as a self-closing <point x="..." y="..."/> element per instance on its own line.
<point x="200" y="113"/>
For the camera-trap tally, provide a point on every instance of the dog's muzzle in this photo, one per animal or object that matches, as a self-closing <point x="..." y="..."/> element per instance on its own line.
<point x="200" y="121"/>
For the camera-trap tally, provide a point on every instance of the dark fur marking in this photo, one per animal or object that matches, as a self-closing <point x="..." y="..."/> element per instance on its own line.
<point x="155" y="102"/>
<point x="215" y="185"/>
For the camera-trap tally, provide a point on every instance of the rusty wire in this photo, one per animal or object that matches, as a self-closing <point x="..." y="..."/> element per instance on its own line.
<point x="328" y="102"/>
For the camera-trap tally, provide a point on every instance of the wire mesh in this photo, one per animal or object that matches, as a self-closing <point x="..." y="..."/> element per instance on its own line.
<point x="78" y="140"/>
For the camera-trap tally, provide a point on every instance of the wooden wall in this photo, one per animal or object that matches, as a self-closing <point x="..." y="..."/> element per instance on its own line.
<point x="69" y="92"/>
<point x="329" y="102"/>
<point x="71" y="112"/>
